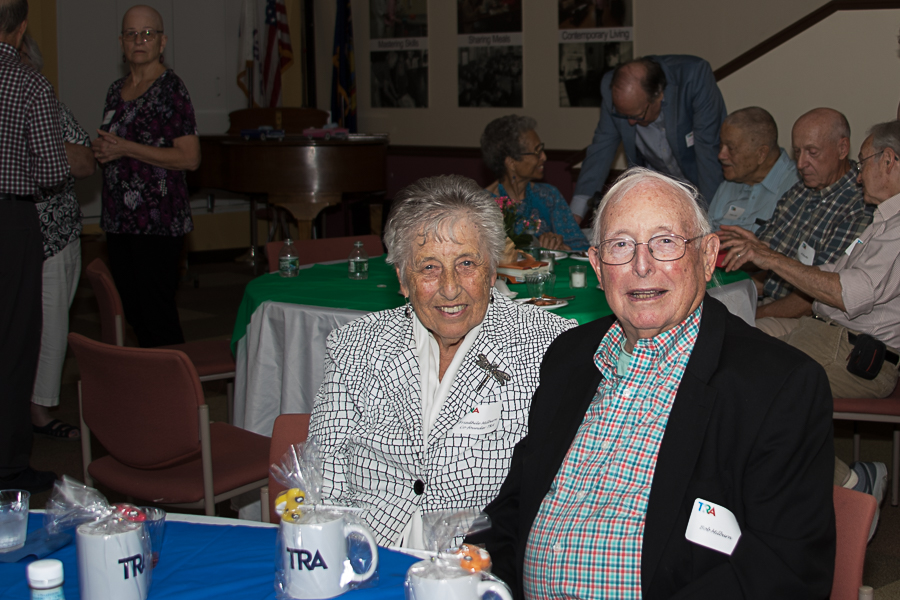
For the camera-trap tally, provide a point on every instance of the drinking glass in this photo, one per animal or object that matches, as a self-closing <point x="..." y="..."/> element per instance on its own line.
<point x="536" y="283"/>
<point x="155" y="525"/>
<point x="13" y="519"/>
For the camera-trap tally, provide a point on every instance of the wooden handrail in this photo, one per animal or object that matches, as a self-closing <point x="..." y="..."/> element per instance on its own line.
<point x="798" y="27"/>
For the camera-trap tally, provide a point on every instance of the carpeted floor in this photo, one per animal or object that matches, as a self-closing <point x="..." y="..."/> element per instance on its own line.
<point x="208" y="301"/>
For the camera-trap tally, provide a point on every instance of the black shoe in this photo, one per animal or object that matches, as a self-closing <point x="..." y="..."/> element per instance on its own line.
<point x="29" y="480"/>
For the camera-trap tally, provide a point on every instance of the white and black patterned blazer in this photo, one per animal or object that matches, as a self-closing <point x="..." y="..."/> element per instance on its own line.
<point x="367" y="417"/>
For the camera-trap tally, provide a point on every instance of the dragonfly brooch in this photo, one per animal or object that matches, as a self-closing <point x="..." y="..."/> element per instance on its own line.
<point x="492" y="371"/>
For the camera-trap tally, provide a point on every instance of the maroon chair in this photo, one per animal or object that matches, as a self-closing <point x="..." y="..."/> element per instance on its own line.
<point x="288" y="430"/>
<point x="853" y="514"/>
<point x="326" y="249"/>
<point x="212" y="358"/>
<point x="881" y="410"/>
<point x="146" y="407"/>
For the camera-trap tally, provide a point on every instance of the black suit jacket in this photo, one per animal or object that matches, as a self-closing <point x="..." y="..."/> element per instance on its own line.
<point x="750" y="429"/>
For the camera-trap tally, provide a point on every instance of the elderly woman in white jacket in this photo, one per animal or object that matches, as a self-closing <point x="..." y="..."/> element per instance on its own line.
<point x="421" y="406"/>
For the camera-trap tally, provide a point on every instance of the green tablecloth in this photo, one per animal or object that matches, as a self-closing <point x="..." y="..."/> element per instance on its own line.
<point x="328" y="285"/>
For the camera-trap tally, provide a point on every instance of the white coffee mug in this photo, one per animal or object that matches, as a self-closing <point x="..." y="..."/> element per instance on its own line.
<point x="464" y="587"/>
<point x="314" y="558"/>
<point x="113" y="565"/>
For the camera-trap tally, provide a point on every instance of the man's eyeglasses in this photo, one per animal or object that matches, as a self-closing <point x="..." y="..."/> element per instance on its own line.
<point x="537" y="151"/>
<point x="639" y="117"/>
<point x="862" y="160"/>
<point x="665" y="248"/>
<point x="145" y="35"/>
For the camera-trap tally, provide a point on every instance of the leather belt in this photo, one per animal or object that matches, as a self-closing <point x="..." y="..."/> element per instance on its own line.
<point x="889" y="355"/>
<point x="5" y="197"/>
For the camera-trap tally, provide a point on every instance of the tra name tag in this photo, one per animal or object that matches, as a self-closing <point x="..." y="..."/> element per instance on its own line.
<point x="689" y="139"/>
<point x="107" y="118"/>
<point x="852" y="245"/>
<point x="806" y="254"/>
<point x="734" y="212"/>
<point x="483" y="419"/>
<point x="713" y="526"/>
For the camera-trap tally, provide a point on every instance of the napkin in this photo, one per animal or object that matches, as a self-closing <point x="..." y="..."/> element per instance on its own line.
<point x="38" y="544"/>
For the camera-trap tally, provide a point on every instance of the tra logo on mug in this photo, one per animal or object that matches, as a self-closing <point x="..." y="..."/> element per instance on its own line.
<point x="306" y="559"/>
<point x="137" y="564"/>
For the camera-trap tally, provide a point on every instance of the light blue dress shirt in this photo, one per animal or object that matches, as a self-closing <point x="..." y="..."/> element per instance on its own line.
<point x="741" y="204"/>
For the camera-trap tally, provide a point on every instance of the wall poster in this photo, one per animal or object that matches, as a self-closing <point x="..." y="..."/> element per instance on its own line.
<point x="398" y="30"/>
<point x="490" y="52"/>
<point x="594" y="36"/>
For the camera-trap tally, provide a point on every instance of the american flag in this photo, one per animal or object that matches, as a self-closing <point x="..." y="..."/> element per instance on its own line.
<point x="277" y="56"/>
<point x="265" y="52"/>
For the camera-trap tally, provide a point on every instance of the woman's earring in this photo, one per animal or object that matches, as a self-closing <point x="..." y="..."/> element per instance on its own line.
<point x="160" y="58"/>
<point x="409" y="309"/>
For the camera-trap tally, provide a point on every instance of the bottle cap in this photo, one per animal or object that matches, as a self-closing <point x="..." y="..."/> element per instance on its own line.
<point x="288" y="241"/>
<point x="358" y="244"/>
<point x="47" y="573"/>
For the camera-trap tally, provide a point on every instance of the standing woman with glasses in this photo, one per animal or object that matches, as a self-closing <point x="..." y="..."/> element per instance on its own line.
<point x="147" y="141"/>
<point x="511" y="148"/>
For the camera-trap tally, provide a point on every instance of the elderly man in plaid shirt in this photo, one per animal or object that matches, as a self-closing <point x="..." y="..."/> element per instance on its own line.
<point x="672" y="449"/>
<point x="32" y="158"/>
<point x="817" y="219"/>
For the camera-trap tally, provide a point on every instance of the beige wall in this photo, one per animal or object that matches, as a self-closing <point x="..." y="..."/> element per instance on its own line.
<point x="848" y="62"/>
<point x="717" y="30"/>
<point x="661" y="26"/>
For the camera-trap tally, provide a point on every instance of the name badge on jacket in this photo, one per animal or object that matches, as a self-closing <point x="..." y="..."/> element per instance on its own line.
<point x="713" y="526"/>
<point x="484" y="418"/>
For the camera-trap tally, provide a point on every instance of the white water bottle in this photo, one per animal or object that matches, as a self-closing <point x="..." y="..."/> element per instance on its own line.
<point x="288" y="261"/>
<point x="358" y="268"/>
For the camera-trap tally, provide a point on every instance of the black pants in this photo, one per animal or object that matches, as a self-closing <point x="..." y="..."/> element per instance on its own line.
<point x="145" y="269"/>
<point x="22" y="249"/>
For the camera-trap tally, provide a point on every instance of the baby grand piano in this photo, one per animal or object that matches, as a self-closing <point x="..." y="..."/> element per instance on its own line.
<point x="299" y="174"/>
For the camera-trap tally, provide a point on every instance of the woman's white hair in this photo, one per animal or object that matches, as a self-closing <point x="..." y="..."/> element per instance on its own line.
<point x="635" y="176"/>
<point x="430" y="209"/>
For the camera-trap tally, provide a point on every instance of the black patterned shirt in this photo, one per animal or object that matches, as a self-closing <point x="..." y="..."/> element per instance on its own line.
<point x="139" y="197"/>
<point x="32" y="156"/>
<point x="828" y="220"/>
<point x="60" y="214"/>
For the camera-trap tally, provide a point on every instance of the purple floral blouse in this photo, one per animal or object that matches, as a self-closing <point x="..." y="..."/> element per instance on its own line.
<point x="138" y="197"/>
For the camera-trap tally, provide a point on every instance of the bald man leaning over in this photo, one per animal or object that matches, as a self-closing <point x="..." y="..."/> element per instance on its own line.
<point x="817" y="219"/>
<point x="666" y="111"/>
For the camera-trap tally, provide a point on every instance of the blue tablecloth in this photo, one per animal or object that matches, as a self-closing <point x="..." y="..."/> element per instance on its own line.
<point x="209" y="561"/>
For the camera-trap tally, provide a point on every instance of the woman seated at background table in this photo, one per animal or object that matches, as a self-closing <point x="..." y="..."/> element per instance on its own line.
<point x="513" y="151"/>
<point x="421" y="406"/>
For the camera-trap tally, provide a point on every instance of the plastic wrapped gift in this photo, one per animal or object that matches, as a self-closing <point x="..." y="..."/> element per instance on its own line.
<point x="112" y="544"/>
<point x="323" y="551"/>
<point x="456" y="572"/>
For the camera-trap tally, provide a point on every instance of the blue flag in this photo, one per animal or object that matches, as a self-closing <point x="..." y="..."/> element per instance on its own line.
<point x="343" y="72"/>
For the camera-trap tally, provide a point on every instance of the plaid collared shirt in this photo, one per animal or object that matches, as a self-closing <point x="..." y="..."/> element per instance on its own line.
<point x="32" y="156"/>
<point x="587" y="536"/>
<point x="829" y="220"/>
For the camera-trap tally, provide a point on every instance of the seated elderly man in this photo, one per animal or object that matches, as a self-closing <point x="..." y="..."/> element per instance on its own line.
<point x="672" y="449"/>
<point x="859" y="293"/>
<point x="421" y="406"/>
<point x="757" y="172"/>
<point x="817" y="219"/>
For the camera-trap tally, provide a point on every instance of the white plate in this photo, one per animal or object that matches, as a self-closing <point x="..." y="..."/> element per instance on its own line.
<point x="560" y="304"/>
<point x="577" y="257"/>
